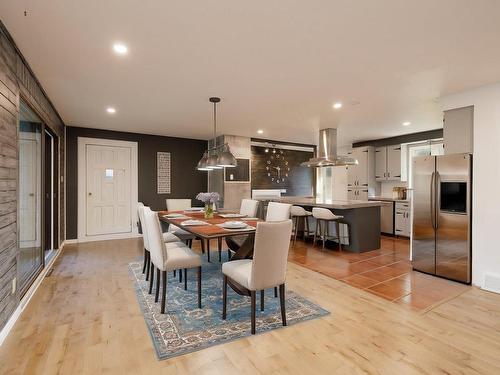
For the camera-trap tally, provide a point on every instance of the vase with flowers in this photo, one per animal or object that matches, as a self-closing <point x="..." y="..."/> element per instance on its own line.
<point x="209" y="199"/>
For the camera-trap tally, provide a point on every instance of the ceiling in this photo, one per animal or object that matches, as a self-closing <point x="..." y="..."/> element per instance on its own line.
<point x="277" y="65"/>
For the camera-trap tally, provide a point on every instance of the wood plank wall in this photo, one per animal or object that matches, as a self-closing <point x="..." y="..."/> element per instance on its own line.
<point x="17" y="80"/>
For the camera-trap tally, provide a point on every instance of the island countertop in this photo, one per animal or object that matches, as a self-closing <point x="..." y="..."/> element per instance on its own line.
<point x="331" y="204"/>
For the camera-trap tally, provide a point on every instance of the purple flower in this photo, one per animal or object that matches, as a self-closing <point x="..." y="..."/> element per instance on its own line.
<point x="208" y="197"/>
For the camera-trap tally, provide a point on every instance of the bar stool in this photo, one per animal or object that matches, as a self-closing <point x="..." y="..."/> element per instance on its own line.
<point x="299" y="214"/>
<point x="323" y="218"/>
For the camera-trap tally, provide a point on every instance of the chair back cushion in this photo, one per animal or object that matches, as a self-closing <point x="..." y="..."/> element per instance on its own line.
<point x="139" y="224"/>
<point x="178" y="204"/>
<point x="278" y="211"/>
<point x="272" y="241"/>
<point x="140" y="211"/>
<point x="155" y="239"/>
<point x="298" y="211"/>
<point x="249" y="207"/>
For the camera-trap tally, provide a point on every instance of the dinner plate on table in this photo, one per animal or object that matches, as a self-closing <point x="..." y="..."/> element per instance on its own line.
<point x="193" y="223"/>
<point x="234" y="225"/>
<point x="174" y="215"/>
<point x="228" y="216"/>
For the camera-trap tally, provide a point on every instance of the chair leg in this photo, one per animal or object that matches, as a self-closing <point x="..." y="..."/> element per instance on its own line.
<point x="199" y="287"/>
<point x="157" y="291"/>
<point x="190" y="244"/>
<point x="145" y="260"/>
<point x="180" y="275"/>
<point x="282" y="304"/>
<point x="148" y="266"/>
<point x="262" y="300"/>
<point x="202" y="243"/>
<point x="175" y="273"/>
<point x="275" y="292"/>
<point x="307" y="227"/>
<point x="224" y="297"/>
<point x="151" y="277"/>
<point x="228" y="254"/>
<point x="297" y="220"/>
<point x="185" y="279"/>
<point x="323" y="233"/>
<point x="315" y="232"/>
<point x="163" y="291"/>
<point x="252" y="297"/>
<point x="219" y="243"/>
<point x="338" y="235"/>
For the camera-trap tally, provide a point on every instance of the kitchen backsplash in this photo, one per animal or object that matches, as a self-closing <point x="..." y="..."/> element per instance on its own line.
<point x="386" y="189"/>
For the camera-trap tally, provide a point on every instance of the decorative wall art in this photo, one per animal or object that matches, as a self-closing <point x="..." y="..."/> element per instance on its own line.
<point x="163" y="172"/>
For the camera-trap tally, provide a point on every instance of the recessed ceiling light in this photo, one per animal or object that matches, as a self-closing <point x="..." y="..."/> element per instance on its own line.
<point x="260" y="131"/>
<point x="120" y="48"/>
<point x="111" y="110"/>
<point x="406" y="123"/>
<point x="337" y="105"/>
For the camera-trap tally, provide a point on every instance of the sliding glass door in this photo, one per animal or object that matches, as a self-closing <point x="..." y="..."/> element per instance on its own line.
<point x="30" y="196"/>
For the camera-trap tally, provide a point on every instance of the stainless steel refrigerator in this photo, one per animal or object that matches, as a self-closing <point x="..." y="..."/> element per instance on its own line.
<point x="441" y="238"/>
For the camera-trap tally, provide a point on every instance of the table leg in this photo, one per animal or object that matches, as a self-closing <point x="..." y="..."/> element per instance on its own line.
<point x="208" y="251"/>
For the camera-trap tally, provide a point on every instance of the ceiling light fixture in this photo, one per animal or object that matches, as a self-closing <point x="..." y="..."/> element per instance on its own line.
<point x="217" y="157"/>
<point x="406" y="123"/>
<point x="337" y="105"/>
<point x="260" y="131"/>
<point x="120" y="48"/>
<point x="111" y="110"/>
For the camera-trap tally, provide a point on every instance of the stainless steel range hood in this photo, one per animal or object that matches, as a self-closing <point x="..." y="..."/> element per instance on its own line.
<point x="327" y="152"/>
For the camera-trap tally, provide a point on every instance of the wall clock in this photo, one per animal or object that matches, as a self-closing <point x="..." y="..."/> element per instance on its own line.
<point x="277" y="167"/>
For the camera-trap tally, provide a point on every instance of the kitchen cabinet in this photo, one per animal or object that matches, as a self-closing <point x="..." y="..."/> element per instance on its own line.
<point x="402" y="221"/>
<point x="357" y="194"/>
<point x="361" y="177"/>
<point x="388" y="163"/>
<point x="458" y="130"/>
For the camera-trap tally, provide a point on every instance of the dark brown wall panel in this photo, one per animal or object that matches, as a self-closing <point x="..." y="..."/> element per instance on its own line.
<point x="186" y="181"/>
<point x="299" y="181"/>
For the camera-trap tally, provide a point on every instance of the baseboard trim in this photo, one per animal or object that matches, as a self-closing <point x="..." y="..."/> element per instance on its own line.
<point x="105" y="238"/>
<point x="27" y="297"/>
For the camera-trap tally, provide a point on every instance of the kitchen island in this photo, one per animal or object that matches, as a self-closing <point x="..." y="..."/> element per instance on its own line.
<point x="361" y="217"/>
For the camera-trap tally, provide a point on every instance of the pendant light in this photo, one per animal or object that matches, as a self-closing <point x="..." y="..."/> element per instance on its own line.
<point x="212" y="153"/>
<point x="217" y="157"/>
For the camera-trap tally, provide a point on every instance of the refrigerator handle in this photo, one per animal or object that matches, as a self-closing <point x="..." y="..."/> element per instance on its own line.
<point x="437" y="197"/>
<point x="432" y="202"/>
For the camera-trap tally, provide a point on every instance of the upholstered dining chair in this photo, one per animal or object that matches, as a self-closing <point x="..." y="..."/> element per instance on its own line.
<point x="248" y="208"/>
<point x="180" y="205"/>
<point x="266" y="270"/>
<point x="278" y="211"/>
<point x="168" y="257"/>
<point x="167" y="237"/>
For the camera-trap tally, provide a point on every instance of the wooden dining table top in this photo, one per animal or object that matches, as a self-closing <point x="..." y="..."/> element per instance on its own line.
<point x="210" y="229"/>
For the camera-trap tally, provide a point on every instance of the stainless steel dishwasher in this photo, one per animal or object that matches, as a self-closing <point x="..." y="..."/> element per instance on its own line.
<point x="387" y="218"/>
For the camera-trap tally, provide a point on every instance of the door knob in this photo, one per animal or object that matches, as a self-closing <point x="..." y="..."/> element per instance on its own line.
<point x="32" y="195"/>
<point x="90" y="194"/>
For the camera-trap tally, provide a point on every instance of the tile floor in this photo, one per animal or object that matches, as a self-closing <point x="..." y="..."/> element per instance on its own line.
<point x="385" y="272"/>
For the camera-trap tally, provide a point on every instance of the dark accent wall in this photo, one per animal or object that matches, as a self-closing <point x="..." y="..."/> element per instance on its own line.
<point x="300" y="181"/>
<point x="17" y="81"/>
<point x="186" y="181"/>
<point x="405" y="138"/>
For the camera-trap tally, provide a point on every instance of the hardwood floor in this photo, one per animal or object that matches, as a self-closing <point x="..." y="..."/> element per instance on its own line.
<point x="385" y="272"/>
<point x="85" y="318"/>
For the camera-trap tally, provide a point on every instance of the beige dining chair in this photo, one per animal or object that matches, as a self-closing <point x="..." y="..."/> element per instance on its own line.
<point x="267" y="268"/>
<point x="167" y="257"/>
<point x="249" y="207"/>
<point x="278" y="211"/>
<point x="167" y="237"/>
<point x="180" y="205"/>
<point x="300" y="214"/>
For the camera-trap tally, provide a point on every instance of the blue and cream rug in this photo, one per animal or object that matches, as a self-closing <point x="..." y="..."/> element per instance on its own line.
<point x="185" y="328"/>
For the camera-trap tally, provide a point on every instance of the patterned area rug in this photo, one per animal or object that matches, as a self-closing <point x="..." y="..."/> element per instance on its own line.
<point x="185" y="328"/>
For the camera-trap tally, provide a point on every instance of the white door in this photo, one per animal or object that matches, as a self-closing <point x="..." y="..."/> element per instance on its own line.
<point x="108" y="189"/>
<point x="380" y="163"/>
<point x="394" y="163"/>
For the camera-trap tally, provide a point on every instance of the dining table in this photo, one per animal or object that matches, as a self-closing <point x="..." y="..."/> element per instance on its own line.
<point x="207" y="229"/>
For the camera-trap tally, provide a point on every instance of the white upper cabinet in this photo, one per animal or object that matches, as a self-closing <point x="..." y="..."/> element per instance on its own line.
<point x="380" y="163"/>
<point x="388" y="163"/>
<point x="361" y="177"/>
<point x="394" y="163"/>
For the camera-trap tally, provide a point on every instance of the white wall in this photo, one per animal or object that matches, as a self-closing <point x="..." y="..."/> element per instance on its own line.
<point x="486" y="176"/>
